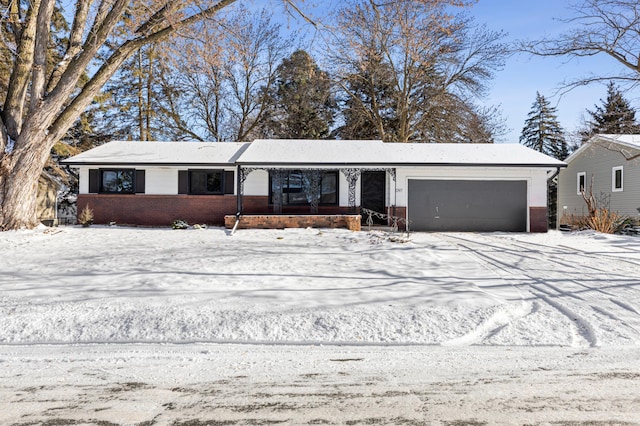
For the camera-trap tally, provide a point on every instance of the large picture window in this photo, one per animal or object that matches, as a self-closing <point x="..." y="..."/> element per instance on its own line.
<point x="117" y="181"/>
<point x="297" y="187"/>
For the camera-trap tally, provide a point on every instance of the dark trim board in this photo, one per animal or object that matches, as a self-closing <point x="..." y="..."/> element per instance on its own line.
<point x="467" y="205"/>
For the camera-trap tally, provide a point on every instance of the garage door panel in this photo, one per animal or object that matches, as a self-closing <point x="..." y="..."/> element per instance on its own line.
<point x="440" y="205"/>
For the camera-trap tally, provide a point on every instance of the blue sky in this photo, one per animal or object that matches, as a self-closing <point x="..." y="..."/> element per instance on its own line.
<point x="514" y="88"/>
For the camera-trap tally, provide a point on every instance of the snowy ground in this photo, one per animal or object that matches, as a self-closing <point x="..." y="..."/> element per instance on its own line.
<point x="126" y="325"/>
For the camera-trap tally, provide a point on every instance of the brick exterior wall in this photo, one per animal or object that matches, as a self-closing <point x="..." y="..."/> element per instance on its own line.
<point x="161" y="210"/>
<point x="400" y="212"/>
<point x="158" y="210"/>
<point x="351" y="222"/>
<point x="538" y="220"/>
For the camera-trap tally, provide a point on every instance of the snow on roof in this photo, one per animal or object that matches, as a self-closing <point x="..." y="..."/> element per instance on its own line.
<point x="309" y="151"/>
<point x="288" y="152"/>
<point x="632" y="140"/>
<point x="375" y="152"/>
<point x="188" y="153"/>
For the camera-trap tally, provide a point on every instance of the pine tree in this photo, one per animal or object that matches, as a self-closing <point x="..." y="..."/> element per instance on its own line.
<point x="615" y="116"/>
<point x="300" y="105"/>
<point x="542" y="130"/>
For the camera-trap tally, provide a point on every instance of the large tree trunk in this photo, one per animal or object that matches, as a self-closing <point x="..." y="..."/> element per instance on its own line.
<point x="36" y="113"/>
<point x="19" y="174"/>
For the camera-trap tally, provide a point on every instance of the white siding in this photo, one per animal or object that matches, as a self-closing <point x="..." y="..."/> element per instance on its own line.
<point x="83" y="175"/>
<point x="536" y="179"/>
<point x="161" y="181"/>
<point x="597" y="163"/>
<point x="257" y="183"/>
<point x="343" y="190"/>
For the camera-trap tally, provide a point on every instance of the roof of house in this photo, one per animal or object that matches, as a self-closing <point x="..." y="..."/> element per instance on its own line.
<point x="160" y="153"/>
<point x="340" y="152"/>
<point x="623" y="142"/>
<point x="309" y="153"/>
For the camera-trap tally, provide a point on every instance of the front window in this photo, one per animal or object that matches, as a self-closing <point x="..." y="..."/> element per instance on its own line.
<point x="581" y="182"/>
<point x="205" y="182"/>
<point x="617" y="179"/>
<point x="120" y="181"/>
<point x="297" y="187"/>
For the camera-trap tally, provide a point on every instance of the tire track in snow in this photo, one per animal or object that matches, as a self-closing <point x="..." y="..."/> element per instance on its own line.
<point x="625" y="305"/>
<point x="492" y="326"/>
<point x="582" y="330"/>
<point x="498" y="320"/>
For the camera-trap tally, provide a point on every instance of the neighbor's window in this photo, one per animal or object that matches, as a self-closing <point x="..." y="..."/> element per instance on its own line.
<point x="206" y="181"/>
<point x="119" y="181"/>
<point x="296" y="188"/>
<point x="581" y="182"/>
<point x="617" y="179"/>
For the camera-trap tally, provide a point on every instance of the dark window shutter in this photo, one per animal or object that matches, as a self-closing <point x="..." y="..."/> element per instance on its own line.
<point x="229" y="182"/>
<point x="94" y="181"/>
<point x="183" y="181"/>
<point x="140" y="184"/>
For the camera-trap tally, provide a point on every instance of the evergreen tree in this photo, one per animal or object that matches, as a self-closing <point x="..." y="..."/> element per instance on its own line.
<point x="369" y="107"/>
<point x="615" y="116"/>
<point x="542" y="130"/>
<point x="300" y="104"/>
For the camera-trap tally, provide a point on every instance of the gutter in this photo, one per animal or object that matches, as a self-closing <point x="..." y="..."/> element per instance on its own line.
<point x="555" y="174"/>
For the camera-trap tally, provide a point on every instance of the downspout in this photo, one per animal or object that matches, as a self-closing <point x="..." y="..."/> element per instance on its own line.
<point x="549" y="179"/>
<point x="238" y="199"/>
<point x="555" y="174"/>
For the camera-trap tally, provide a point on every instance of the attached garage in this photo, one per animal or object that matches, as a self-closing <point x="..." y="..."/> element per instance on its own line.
<point x="467" y="205"/>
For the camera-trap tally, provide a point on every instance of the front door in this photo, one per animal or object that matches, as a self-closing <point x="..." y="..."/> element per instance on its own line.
<point x="372" y="194"/>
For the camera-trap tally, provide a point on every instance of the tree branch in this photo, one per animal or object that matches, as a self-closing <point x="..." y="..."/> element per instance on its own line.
<point x="40" y="53"/>
<point x="65" y="119"/>
<point x="75" y="42"/>
<point x="78" y="65"/>
<point x="18" y="83"/>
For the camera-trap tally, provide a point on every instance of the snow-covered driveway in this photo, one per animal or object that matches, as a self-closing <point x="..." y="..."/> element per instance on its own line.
<point x="592" y="296"/>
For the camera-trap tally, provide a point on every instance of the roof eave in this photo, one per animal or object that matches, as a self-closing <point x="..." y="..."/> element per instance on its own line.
<point x="391" y="165"/>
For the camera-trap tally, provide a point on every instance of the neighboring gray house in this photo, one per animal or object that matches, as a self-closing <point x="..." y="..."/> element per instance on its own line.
<point x="611" y="163"/>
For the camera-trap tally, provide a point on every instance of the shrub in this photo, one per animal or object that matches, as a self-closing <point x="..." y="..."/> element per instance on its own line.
<point x="179" y="224"/>
<point x="85" y="218"/>
<point x="605" y="221"/>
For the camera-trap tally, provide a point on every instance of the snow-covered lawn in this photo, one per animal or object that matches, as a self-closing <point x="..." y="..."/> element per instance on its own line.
<point x="84" y="311"/>
<point x="114" y="284"/>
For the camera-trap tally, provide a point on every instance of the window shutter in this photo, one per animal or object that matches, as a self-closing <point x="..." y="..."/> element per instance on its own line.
<point x="229" y="182"/>
<point x="94" y="181"/>
<point x="140" y="183"/>
<point x="183" y="181"/>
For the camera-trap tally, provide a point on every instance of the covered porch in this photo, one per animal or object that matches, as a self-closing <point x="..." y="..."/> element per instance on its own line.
<point x="312" y="196"/>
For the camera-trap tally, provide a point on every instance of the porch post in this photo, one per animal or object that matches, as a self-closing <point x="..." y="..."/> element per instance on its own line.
<point x="352" y="176"/>
<point x="314" y="193"/>
<point x="277" y="191"/>
<point x="239" y="190"/>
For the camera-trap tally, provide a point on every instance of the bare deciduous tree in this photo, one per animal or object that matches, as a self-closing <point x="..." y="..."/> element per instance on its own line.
<point x="43" y="100"/>
<point x="407" y="67"/>
<point x="599" y="27"/>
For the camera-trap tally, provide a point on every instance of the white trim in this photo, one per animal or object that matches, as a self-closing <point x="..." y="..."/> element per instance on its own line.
<point x="578" y="188"/>
<point x="613" y="179"/>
